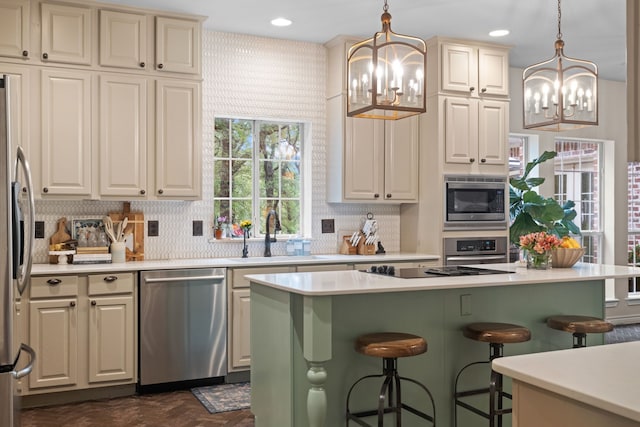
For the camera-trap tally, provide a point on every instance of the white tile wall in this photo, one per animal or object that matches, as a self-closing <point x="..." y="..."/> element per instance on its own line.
<point x="252" y="77"/>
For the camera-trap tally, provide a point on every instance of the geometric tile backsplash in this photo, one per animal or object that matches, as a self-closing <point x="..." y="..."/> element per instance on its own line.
<point x="256" y="78"/>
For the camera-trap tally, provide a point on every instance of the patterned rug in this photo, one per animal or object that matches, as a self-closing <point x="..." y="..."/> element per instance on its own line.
<point x="224" y="397"/>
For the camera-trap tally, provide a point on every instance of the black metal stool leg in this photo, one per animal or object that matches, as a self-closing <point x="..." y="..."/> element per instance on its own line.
<point x="579" y="340"/>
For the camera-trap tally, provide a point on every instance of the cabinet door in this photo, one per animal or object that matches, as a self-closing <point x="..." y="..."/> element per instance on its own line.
<point x="123" y="39"/>
<point x="19" y="88"/>
<point x="14" y="28"/>
<point x="493" y="71"/>
<point x="66" y="132"/>
<point x="364" y="159"/>
<point x="178" y="45"/>
<point x="178" y="152"/>
<point x="459" y="68"/>
<point x="401" y="159"/>
<point x="66" y="34"/>
<point x="123" y="136"/>
<point x="461" y="130"/>
<point x="493" y="131"/>
<point x="53" y="334"/>
<point x="240" y="329"/>
<point x="111" y="339"/>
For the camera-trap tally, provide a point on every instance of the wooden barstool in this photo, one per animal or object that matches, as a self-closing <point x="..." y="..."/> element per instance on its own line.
<point x="579" y="326"/>
<point x="496" y="334"/>
<point x="390" y="346"/>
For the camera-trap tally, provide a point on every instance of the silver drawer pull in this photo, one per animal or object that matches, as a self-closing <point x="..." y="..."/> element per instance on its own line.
<point x="54" y="282"/>
<point x="110" y="279"/>
<point x="182" y="279"/>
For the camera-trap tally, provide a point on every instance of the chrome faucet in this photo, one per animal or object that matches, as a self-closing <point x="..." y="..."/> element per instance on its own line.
<point x="267" y="235"/>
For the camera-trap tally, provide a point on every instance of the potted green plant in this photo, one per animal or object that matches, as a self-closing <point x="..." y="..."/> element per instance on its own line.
<point x="530" y="212"/>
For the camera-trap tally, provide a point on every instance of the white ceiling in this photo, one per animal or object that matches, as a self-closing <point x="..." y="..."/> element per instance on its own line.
<point x="592" y="29"/>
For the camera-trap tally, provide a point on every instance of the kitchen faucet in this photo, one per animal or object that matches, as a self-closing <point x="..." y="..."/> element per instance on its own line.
<point x="267" y="237"/>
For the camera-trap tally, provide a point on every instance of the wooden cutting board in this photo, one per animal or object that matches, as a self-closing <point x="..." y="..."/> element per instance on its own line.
<point x="60" y="236"/>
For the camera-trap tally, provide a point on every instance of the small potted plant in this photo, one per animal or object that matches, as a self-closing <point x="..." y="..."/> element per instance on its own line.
<point x="530" y="212"/>
<point x="220" y="221"/>
<point x="539" y="248"/>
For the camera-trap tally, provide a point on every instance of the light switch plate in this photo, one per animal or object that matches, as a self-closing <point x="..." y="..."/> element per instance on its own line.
<point x="197" y="228"/>
<point x="328" y="226"/>
<point x="153" y="228"/>
<point x="39" y="230"/>
<point x="465" y="305"/>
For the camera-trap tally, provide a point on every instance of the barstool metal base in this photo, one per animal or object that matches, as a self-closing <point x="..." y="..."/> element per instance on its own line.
<point x="495" y="390"/>
<point x="389" y="398"/>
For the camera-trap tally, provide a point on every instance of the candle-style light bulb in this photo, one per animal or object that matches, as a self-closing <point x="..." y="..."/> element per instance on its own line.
<point x="545" y="96"/>
<point x="527" y="100"/>
<point x="580" y="99"/>
<point x="589" y="100"/>
<point x="536" y="104"/>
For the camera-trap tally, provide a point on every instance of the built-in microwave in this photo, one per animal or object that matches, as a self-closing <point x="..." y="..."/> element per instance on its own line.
<point x="475" y="201"/>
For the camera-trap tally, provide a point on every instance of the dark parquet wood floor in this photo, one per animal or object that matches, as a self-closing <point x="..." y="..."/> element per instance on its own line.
<point x="175" y="409"/>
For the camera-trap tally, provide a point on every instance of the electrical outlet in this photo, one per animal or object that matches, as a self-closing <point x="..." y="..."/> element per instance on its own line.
<point x="465" y="305"/>
<point x="153" y="228"/>
<point x="39" y="230"/>
<point x="197" y="228"/>
<point x="328" y="226"/>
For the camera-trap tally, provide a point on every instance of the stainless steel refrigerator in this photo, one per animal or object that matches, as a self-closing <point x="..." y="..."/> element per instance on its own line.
<point x="16" y="244"/>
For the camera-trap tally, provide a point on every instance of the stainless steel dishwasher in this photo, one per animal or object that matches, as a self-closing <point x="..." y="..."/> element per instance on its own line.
<point x="183" y="325"/>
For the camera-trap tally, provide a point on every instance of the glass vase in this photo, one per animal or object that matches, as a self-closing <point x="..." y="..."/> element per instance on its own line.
<point x="539" y="261"/>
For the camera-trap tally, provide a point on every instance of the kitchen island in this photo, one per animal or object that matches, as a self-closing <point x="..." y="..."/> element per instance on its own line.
<point x="303" y="326"/>
<point x="582" y="387"/>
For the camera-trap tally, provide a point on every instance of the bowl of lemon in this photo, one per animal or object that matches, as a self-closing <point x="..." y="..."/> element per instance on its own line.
<point x="567" y="254"/>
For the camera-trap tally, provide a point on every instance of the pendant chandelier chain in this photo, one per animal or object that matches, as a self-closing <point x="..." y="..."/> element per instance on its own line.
<point x="559" y="36"/>
<point x="385" y="8"/>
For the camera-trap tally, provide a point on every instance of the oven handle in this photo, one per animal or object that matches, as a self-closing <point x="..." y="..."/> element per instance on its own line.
<point x="477" y="258"/>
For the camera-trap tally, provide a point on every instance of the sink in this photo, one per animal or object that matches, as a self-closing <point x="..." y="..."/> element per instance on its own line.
<point x="280" y="259"/>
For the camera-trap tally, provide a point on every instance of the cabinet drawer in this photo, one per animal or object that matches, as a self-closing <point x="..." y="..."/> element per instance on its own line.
<point x="116" y="283"/>
<point x="54" y="286"/>
<point x="238" y="280"/>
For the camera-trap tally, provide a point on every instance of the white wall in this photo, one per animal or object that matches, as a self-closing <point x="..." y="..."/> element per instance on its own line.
<point x="249" y="77"/>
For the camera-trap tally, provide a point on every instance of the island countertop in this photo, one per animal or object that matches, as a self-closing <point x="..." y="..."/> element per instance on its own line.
<point x="359" y="282"/>
<point x="604" y="377"/>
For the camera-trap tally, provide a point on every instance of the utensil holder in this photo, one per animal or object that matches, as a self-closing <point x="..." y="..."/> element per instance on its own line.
<point x="118" y="252"/>
<point x="366" y="249"/>
<point x="347" y="248"/>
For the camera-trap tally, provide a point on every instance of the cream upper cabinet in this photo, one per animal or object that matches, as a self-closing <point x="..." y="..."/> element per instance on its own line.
<point x="123" y="40"/>
<point x="123" y="135"/>
<point x="475" y="131"/>
<point x="66" y="33"/>
<point x="178" y="45"/>
<point x="178" y="148"/>
<point x="381" y="160"/>
<point x="66" y="133"/>
<point x="15" y="28"/>
<point x="475" y="70"/>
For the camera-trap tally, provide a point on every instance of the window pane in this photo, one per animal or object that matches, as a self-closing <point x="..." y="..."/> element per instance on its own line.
<point x="266" y="205"/>
<point x="240" y="210"/>
<point x="290" y="179"/>
<point x="221" y="178"/>
<point x="290" y="217"/>
<point x="269" y="179"/>
<point x="242" y="178"/>
<point x="242" y="145"/>
<point x="221" y="208"/>
<point x="221" y="138"/>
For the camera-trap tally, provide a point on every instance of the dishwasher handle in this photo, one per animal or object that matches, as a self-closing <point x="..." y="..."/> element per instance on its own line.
<point x="476" y="258"/>
<point x="181" y="279"/>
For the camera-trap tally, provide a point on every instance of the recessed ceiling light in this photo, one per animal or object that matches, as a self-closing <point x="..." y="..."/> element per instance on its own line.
<point x="499" y="33"/>
<point x="281" y="22"/>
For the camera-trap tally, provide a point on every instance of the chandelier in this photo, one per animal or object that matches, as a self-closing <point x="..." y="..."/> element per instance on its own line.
<point x="385" y="75"/>
<point x="561" y="93"/>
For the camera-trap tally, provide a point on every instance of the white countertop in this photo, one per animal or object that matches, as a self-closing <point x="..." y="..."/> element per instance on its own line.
<point x="357" y="282"/>
<point x="174" y="264"/>
<point x="605" y="376"/>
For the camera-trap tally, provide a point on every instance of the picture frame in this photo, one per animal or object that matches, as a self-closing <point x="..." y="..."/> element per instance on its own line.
<point x="79" y="225"/>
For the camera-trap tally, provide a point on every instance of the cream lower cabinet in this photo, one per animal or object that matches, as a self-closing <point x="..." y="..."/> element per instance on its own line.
<point x="239" y="357"/>
<point x="83" y="330"/>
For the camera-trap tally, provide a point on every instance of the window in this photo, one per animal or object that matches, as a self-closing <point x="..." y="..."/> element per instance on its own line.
<point x="257" y="168"/>
<point x="578" y="178"/>
<point x="633" y="171"/>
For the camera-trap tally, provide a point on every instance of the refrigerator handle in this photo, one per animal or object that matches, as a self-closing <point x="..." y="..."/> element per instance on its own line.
<point x="27" y="369"/>
<point x="25" y="270"/>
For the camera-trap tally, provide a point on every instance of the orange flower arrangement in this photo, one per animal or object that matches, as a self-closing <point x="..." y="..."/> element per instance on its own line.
<point x="540" y="242"/>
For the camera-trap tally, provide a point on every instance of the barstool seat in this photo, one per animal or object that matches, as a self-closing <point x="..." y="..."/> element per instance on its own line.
<point x="389" y="346"/>
<point x="579" y="326"/>
<point x="496" y="334"/>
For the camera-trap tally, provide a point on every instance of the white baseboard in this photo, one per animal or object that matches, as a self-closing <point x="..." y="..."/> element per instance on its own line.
<point x="625" y="319"/>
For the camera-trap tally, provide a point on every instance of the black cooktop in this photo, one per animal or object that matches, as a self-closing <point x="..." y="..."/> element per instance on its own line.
<point x="426" y="272"/>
